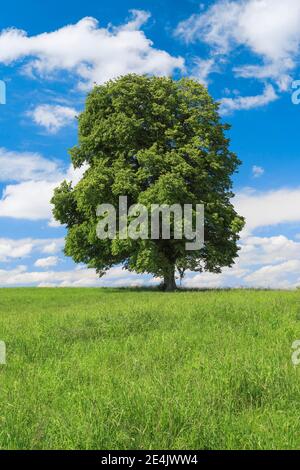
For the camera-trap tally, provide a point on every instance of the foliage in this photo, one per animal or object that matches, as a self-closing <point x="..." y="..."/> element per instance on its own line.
<point x="158" y="141"/>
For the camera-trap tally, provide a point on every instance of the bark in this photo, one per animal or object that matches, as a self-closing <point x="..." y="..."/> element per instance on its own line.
<point x="169" y="280"/>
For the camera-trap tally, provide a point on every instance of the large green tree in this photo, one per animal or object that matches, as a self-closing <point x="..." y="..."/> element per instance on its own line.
<point x="157" y="141"/>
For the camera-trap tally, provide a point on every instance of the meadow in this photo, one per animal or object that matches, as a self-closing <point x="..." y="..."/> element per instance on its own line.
<point x="138" y="369"/>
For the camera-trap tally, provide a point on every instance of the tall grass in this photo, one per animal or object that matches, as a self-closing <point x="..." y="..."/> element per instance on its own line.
<point x="121" y="369"/>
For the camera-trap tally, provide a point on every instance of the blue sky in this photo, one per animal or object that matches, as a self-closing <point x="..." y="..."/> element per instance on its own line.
<point x="246" y="52"/>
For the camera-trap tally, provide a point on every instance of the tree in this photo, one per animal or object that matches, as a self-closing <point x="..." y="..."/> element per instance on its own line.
<point x="157" y="141"/>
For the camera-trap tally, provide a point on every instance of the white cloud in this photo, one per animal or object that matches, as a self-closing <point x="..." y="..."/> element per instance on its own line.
<point x="267" y="250"/>
<point x="36" y="179"/>
<point x="268" y="28"/>
<point x="84" y="277"/>
<point x="92" y="53"/>
<point x="277" y="72"/>
<point x="202" y="69"/>
<point x="229" y="105"/>
<point x="22" y="166"/>
<point x="275" y="275"/>
<point x="53" y="247"/>
<point x="46" y="262"/>
<point x="13" y="249"/>
<point x="257" y="171"/>
<point x="215" y="26"/>
<point x="267" y="208"/>
<point x="140" y="17"/>
<point x="230" y="277"/>
<point x="53" y="117"/>
<point x="17" y="249"/>
<point x="263" y="262"/>
<point x="29" y="200"/>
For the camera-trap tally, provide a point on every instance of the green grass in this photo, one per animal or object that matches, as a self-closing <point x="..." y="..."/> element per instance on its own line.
<point x="121" y="369"/>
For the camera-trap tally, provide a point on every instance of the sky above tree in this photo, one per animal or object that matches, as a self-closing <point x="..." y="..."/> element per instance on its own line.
<point x="245" y="52"/>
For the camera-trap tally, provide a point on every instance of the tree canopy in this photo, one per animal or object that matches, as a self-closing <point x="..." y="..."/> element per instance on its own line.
<point x="156" y="141"/>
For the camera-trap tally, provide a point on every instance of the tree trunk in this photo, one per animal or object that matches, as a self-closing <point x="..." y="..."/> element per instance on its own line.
<point x="169" y="280"/>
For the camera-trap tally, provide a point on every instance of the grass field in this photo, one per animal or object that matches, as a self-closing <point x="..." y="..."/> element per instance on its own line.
<point x="121" y="369"/>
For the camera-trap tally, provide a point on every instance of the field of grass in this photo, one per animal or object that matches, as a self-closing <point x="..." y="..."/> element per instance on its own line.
<point x="121" y="369"/>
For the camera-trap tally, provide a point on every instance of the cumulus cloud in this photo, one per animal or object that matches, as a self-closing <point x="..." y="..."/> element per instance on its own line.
<point x="29" y="200"/>
<point x="84" y="277"/>
<point x="276" y="276"/>
<point x="35" y="177"/>
<point x="139" y="17"/>
<point x="22" y="166"/>
<point x="91" y="52"/>
<point x="53" y="117"/>
<point x="257" y="251"/>
<point x="267" y="28"/>
<point x="203" y="68"/>
<point x="230" y="277"/>
<point x="276" y="72"/>
<point x="229" y="105"/>
<point x="46" y="262"/>
<point x="17" y="249"/>
<point x="268" y="208"/>
<point x="263" y="262"/>
<point x="53" y="247"/>
<point x="13" y="249"/>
